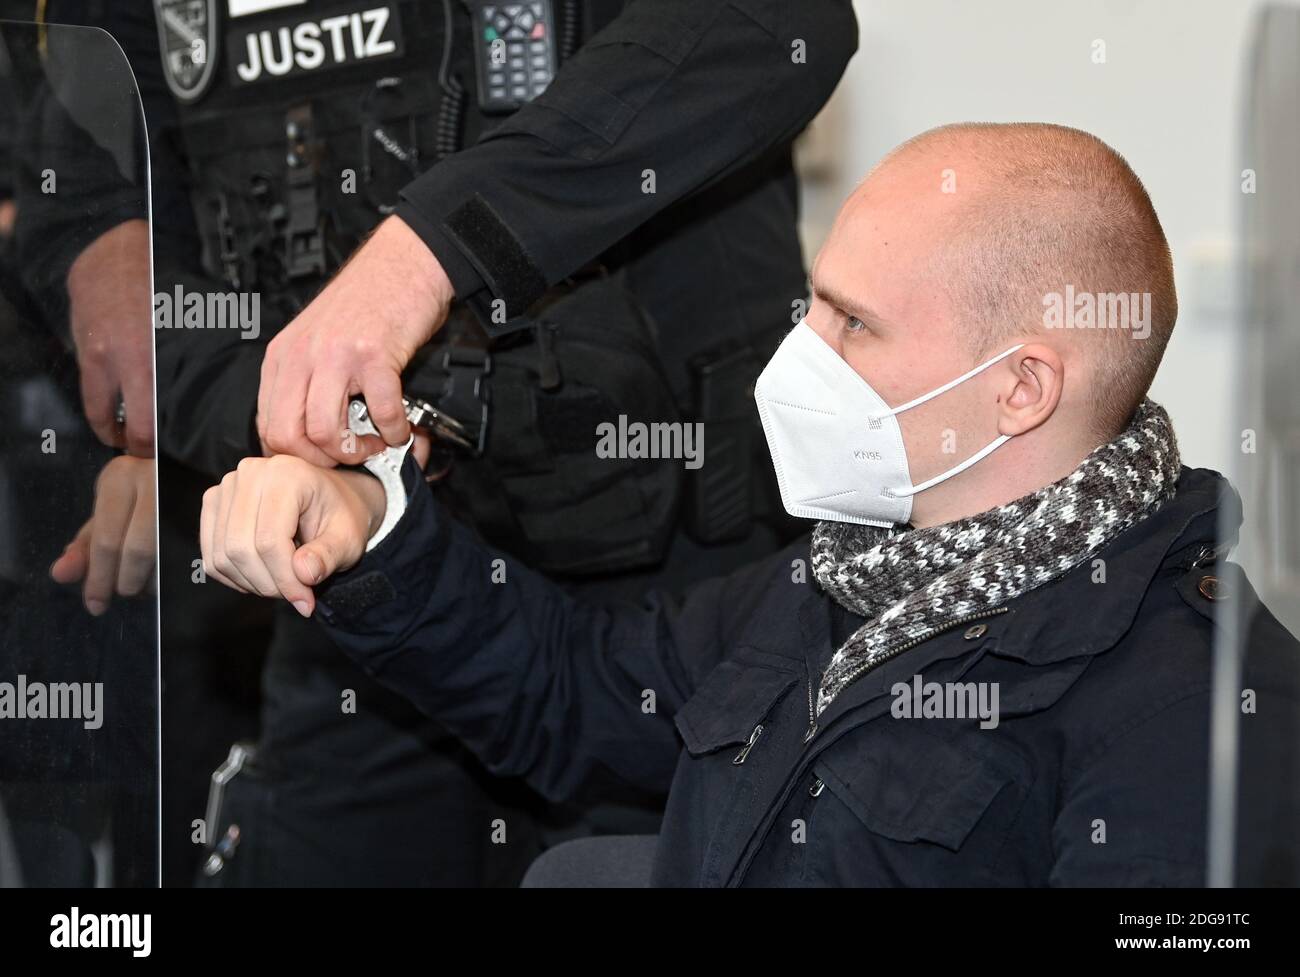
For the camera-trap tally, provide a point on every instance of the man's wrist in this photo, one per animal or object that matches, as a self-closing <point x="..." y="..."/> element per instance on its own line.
<point x="370" y="491"/>
<point x="127" y="242"/>
<point x="426" y="272"/>
<point x="460" y="271"/>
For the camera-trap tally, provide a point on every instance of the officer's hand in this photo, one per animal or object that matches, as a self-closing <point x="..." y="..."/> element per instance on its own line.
<point x="356" y="337"/>
<point x="278" y="526"/>
<point x="110" y="312"/>
<point x="114" y="553"/>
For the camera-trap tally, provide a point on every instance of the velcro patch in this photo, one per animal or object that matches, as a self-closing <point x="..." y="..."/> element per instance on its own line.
<point x="352" y="598"/>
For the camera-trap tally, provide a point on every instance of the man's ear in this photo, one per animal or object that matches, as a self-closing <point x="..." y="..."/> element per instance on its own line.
<point x="1031" y="388"/>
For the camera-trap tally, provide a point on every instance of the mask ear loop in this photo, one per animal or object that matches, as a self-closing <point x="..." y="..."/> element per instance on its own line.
<point x="978" y="456"/>
<point x="984" y="452"/>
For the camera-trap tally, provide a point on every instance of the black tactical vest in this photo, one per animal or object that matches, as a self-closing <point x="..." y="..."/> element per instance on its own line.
<point x="300" y="122"/>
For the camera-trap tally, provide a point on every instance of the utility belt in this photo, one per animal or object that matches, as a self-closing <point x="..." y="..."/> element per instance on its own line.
<point x="582" y="460"/>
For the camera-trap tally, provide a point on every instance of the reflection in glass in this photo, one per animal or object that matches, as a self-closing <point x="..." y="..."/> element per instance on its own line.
<point x="78" y="615"/>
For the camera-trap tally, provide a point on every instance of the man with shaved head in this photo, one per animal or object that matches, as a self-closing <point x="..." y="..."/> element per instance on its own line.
<point x="949" y="252"/>
<point x="997" y="671"/>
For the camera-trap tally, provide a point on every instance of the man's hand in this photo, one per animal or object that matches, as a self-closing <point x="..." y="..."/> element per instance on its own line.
<point x="356" y="337"/>
<point x="278" y="526"/>
<point x="111" y="315"/>
<point x="114" y="553"/>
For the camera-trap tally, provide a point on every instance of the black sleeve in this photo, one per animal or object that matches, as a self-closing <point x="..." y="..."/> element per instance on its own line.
<point x="207" y="382"/>
<point x="691" y="90"/>
<point x="1136" y="815"/>
<point x="571" y="696"/>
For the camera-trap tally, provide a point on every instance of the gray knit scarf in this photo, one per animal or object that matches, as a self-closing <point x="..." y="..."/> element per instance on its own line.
<point x="910" y="583"/>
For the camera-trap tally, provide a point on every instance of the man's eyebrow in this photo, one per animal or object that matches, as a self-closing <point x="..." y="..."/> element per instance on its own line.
<point x="851" y="306"/>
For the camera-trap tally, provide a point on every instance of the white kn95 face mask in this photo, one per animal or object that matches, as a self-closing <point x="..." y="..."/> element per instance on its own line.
<point x="836" y="445"/>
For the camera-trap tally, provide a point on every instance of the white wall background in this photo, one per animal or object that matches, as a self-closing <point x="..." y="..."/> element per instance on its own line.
<point x="1168" y="98"/>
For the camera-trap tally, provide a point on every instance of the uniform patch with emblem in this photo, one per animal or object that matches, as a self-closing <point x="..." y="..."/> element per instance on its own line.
<point x="187" y="32"/>
<point x="265" y="52"/>
<point x="242" y="8"/>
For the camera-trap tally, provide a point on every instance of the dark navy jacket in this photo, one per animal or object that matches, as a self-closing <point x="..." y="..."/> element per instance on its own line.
<point x="1096" y="773"/>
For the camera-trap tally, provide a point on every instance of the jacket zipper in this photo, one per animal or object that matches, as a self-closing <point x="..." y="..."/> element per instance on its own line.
<point x="765" y="825"/>
<point x="892" y="652"/>
<point x="812" y="715"/>
<point x="753" y="738"/>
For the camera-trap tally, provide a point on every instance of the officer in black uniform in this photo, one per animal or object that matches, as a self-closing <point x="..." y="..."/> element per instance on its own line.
<point x="608" y="186"/>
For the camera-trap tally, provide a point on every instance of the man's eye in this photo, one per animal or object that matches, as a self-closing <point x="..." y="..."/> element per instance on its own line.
<point x="854" y="324"/>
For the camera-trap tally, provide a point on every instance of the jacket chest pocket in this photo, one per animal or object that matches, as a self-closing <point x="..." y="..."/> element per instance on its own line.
<point x="731" y="728"/>
<point x="732" y="701"/>
<point x="895" y="805"/>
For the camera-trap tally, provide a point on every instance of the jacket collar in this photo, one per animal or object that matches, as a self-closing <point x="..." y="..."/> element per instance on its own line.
<point x="1047" y="624"/>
